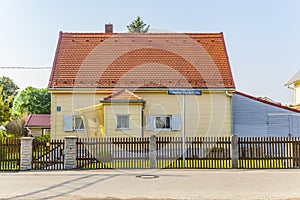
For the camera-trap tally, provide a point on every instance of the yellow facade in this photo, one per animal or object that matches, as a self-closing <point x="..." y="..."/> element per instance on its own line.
<point x="208" y="114"/>
<point x="38" y="131"/>
<point x="297" y="93"/>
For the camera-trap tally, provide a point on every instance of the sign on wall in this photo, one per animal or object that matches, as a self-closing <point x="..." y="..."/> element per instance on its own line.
<point x="185" y="92"/>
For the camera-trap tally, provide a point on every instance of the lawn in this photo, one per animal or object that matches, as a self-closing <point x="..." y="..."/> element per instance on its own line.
<point x="189" y="164"/>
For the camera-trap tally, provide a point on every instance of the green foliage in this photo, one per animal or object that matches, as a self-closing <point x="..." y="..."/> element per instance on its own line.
<point x="5" y="110"/>
<point x="42" y="138"/>
<point x="32" y="101"/>
<point x="138" y="26"/>
<point x="9" y="89"/>
<point x="2" y="135"/>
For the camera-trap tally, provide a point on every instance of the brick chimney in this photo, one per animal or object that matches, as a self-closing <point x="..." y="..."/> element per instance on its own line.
<point x="108" y="28"/>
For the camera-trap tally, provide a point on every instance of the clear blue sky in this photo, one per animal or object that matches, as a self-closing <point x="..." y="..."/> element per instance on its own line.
<point x="262" y="36"/>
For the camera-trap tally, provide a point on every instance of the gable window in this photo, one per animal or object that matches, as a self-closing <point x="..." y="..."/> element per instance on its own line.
<point x="78" y="124"/>
<point x="122" y="121"/>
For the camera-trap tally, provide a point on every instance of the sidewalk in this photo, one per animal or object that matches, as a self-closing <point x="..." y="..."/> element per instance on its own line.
<point x="166" y="184"/>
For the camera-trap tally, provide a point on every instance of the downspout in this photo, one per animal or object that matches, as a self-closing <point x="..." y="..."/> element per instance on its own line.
<point x="143" y="110"/>
<point x="231" y="107"/>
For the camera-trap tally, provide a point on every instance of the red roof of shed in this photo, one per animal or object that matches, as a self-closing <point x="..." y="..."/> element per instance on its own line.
<point x="38" y="120"/>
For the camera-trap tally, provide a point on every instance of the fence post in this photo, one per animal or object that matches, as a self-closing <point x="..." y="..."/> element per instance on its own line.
<point x="152" y="151"/>
<point x="70" y="152"/>
<point x="235" y="151"/>
<point x="26" y="153"/>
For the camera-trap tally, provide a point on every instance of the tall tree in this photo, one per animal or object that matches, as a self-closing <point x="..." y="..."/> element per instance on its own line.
<point x="138" y="26"/>
<point x="32" y="101"/>
<point x="9" y="89"/>
<point x="5" y="110"/>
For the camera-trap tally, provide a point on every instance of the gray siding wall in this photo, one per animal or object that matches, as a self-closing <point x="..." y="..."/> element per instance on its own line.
<point x="254" y="118"/>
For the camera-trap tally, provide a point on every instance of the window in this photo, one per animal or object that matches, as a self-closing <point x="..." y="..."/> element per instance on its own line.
<point x="163" y="122"/>
<point x="72" y="123"/>
<point x="78" y="124"/>
<point x="122" y="121"/>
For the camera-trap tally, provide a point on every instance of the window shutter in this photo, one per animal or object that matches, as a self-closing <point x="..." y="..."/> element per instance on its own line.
<point x="68" y="123"/>
<point x="149" y="122"/>
<point x="175" y="122"/>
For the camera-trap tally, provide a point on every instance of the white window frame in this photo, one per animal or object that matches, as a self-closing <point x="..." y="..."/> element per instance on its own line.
<point x="75" y="125"/>
<point x="165" y="122"/>
<point x="121" y="117"/>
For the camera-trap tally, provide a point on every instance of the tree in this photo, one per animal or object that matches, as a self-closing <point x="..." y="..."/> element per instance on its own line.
<point x="5" y="110"/>
<point x="32" y="101"/>
<point x="138" y="26"/>
<point x="9" y="89"/>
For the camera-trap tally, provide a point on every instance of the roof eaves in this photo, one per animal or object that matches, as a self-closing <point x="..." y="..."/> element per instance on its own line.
<point x="227" y="60"/>
<point x="122" y="101"/>
<point x="28" y="120"/>
<point x="55" y="60"/>
<point x="294" y="79"/>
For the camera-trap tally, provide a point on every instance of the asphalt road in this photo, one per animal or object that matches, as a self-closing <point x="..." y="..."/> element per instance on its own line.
<point x="153" y="184"/>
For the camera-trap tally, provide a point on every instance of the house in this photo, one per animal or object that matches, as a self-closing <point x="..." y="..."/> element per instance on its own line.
<point x="121" y="84"/>
<point x="294" y="84"/>
<point x="258" y="117"/>
<point x="38" y="124"/>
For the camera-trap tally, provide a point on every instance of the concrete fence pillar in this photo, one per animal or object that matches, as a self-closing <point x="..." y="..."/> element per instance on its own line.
<point x="26" y="153"/>
<point x="152" y="151"/>
<point x="70" y="152"/>
<point x="235" y="151"/>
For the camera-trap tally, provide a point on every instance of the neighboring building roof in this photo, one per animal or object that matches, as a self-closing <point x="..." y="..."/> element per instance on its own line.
<point x="295" y="78"/>
<point x="267" y="102"/>
<point x="122" y="95"/>
<point x="38" y="120"/>
<point x="152" y="60"/>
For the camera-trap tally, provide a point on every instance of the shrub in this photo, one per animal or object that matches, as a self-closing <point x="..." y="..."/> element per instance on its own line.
<point x="42" y="138"/>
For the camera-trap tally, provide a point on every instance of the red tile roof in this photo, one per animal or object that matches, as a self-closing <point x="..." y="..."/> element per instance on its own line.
<point x="39" y="120"/>
<point x="122" y="95"/>
<point x="99" y="60"/>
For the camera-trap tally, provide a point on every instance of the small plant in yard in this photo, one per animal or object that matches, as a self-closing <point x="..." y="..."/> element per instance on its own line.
<point x="42" y="138"/>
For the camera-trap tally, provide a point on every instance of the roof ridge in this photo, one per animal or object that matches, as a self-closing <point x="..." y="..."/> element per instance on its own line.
<point x="101" y="34"/>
